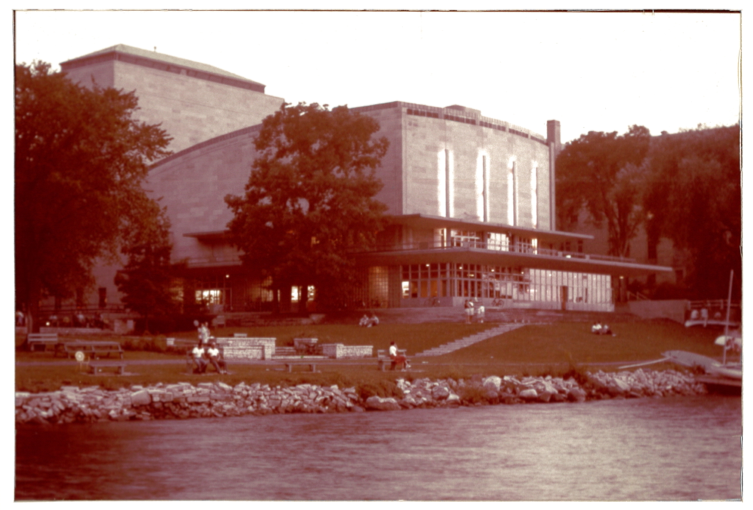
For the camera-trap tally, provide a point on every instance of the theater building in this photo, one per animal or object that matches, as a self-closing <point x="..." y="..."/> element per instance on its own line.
<point x="470" y="198"/>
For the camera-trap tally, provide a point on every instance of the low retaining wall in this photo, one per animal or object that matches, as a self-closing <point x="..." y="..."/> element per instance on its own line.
<point x="182" y="400"/>
<point x="247" y="348"/>
<point x="670" y="309"/>
<point x="338" y="351"/>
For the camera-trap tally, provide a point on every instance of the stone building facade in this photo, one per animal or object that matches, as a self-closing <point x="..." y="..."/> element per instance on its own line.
<point x="471" y="198"/>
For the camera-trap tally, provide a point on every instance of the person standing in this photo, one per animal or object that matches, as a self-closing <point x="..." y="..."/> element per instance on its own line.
<point x="468" y="311"/>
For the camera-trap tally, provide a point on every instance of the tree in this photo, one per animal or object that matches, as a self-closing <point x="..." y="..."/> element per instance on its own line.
<point x="309" y="202"/>
<point x="80" y="159"/>
<point x="601" y="173"/>
<point x="146" y="281"/>
<point x="694" y="199"/>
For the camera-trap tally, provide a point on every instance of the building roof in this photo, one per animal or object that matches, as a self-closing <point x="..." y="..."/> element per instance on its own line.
<point x="153" y="56"/>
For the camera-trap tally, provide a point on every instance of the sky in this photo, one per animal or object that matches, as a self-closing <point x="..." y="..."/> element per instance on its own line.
<point x="591" y="71"/>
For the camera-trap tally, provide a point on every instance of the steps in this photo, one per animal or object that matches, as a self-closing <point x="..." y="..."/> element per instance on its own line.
<point x="469" y="340"/>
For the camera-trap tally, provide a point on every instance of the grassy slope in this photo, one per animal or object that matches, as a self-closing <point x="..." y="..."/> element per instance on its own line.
<point x="533" y="349"/>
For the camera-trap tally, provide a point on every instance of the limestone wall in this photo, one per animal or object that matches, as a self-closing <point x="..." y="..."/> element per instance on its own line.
<point x="247" y="348"/>
<point x="347" y="351"/>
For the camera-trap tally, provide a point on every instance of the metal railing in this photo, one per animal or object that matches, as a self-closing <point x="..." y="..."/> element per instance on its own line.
<point x="509" y="247"/>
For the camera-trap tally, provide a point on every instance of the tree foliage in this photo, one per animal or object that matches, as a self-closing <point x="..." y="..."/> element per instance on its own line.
<point x="80" y="159"/>
<point x="146" y="281"/>
<point x="694" y="198"/>
<point x="684" y="187"/>
<point x="601" y="173"/>
<point x="309" y="201"/>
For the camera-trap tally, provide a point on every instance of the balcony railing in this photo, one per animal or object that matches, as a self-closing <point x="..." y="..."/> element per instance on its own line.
<point x="509" y="247"/>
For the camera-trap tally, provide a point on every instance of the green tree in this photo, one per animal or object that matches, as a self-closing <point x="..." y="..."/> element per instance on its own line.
<point x="694" y="199"/>
<point x="80" y="159"/>
<point x="309" y="202"/>
<point x="146" y="281"/>
<point x="601" y="173"/>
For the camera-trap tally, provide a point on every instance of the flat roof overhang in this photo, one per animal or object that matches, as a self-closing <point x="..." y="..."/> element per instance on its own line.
<point x="210" y="236"/>
<point x="430" y="222"/>
<point x="580" y="263"/>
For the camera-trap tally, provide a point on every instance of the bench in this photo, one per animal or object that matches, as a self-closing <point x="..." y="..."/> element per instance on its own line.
<point x="96" y="366"/>
<point x="305" y="346"/>
<point x="43" y="339"/>
<point x="289" y="365"/>
<point x="384" y="359"/>
<point x="94" y="349"/>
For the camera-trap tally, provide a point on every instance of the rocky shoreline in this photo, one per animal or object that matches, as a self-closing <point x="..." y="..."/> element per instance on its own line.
<point x="183" y="400"/>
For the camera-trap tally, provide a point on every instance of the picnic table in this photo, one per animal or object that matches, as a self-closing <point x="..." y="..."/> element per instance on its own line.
<point x="95" y="349"/>
<point x="44" y="339"/>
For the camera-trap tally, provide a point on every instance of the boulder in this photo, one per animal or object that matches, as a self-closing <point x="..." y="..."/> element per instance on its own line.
<point x="528" y="393"/>
<point x="440" y="392"/>
<point x="382" y="404"/>
<point x="493" y="381"/>
<point x="141" y="398"/>
<point x="576" y="395"/>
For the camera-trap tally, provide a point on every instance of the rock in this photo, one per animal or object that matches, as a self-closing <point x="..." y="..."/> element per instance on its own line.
<point x="382" y="404"/>
<point x="493" y="381"/>
<point x="528" y="393"/>
<point x="440" y="393"/>
<point x="576" y="395"/>
<point x="141" y="398"/>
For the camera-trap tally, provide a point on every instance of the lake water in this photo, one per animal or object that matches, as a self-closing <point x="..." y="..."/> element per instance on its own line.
<point x="684" y="448"/>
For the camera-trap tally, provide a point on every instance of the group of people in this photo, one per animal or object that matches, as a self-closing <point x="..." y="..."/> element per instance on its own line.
<point x="368" y="322"/>
<point x="471" y="309"/>
<point x="207" y="352"/>
<point x="601" y="329"/>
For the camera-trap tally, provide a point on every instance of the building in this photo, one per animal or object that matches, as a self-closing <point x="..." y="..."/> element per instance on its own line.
<point x="471" y="198"/>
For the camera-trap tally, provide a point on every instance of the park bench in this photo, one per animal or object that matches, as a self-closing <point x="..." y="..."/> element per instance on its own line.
<point x="289" y="365"/>
<point x="96" y="366"/>
<point x="43" y="339"/>
<point x="305" y="346"/>
<point x="383" y="358"/>
<point x="190" y="365"/>
<point x="94" y="349"/>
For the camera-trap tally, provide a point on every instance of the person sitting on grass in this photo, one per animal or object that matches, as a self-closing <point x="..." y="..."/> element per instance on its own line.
<point x="215" y="357"/>
<point x="198" y="358"/>
<point x="596" y="328"/>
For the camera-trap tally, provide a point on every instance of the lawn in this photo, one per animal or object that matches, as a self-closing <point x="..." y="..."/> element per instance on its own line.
<point x="529" y="350"/>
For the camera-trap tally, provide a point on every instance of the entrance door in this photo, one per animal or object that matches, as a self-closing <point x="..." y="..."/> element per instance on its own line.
<point x="563" y="296"/>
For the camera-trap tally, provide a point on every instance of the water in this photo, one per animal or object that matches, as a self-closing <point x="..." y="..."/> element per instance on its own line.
<point x="685" y="448"/>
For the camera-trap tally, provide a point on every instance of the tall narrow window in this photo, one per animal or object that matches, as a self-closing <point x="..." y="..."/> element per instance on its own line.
<point x="534" y="197"/>
<point x="485" y="189"/>
<point x="447" y="179"/>
<point x="512" y="205"/>
<point x="482" y="186"/>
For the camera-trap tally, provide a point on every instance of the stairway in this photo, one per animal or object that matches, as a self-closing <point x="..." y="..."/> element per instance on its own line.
<point x="469" y="340"/>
